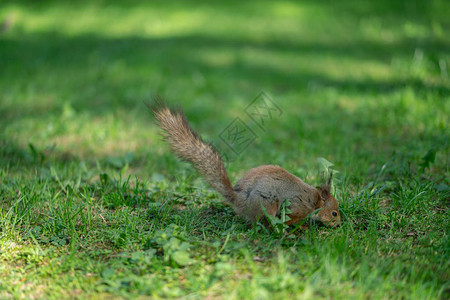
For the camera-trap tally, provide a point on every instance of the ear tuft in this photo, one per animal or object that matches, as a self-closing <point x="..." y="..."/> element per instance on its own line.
<point x="329" y="179"/>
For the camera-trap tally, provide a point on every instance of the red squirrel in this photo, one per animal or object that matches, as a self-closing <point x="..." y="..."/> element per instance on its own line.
<point x="266" y="185"/>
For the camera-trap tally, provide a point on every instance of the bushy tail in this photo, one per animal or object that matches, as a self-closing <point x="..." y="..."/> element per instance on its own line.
<point x="188" y="145"/>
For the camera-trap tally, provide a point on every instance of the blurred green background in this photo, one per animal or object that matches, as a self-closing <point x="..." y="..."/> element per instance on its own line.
<point x="356" y="80"/>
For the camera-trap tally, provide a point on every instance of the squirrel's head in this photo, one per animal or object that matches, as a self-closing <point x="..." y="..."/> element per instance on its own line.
<point x="329" y="208"/>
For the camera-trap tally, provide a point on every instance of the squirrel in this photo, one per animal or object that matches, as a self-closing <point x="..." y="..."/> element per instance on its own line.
<point x="267" y="185"/>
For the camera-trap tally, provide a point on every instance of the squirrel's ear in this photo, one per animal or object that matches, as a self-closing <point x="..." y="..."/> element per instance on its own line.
<point x="324" y="192"/>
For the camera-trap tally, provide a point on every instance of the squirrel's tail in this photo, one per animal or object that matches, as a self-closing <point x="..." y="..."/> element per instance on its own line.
<point x="188" y="145"/>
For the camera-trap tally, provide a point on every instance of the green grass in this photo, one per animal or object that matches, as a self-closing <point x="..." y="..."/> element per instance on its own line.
<point x="93" y="204"/>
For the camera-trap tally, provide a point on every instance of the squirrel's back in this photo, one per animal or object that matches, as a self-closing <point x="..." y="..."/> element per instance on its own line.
<point x="273" y="185"/>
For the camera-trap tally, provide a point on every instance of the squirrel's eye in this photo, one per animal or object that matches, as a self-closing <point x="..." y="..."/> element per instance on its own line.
<point x="334" y="214"/>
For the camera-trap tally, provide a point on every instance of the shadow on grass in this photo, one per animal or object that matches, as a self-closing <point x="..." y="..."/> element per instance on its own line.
<point x="99" y="75"/>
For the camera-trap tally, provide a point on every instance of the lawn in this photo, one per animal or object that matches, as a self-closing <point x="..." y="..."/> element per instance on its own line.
<point x="94" y="205"/>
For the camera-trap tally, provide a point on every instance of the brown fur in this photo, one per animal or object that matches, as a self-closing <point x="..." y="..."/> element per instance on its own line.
<point x="265" y="185"/>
